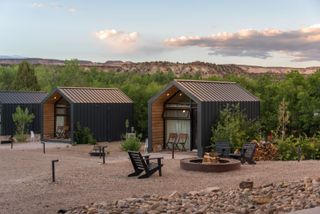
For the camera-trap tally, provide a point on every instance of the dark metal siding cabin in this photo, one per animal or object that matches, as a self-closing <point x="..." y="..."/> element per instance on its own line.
<point x="103" y="110"/>
<point x="193" y="107"/>
<point x="10" y="100"/>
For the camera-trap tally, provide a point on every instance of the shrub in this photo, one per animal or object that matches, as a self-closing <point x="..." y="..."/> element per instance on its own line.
<point x="234" y="127"/>
<point x="131" y="144"/>
<point x="83" y="135"/>
<point x="21" y="137"/>
<point x="21" y="119"/>
<point x="288" y="148"/>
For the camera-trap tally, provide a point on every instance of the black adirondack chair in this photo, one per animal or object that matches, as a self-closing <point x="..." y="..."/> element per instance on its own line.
<point x="142" y="164"/>
<point x="247" y="153"/>
<point x="222" y="148"/>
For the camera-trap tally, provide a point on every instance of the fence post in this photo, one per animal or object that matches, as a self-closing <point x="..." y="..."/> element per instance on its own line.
<point x="43" y="147"/>
<point x="173" y="150"/>
<point x="53" y="170"/>
<point x="103" y="155"/>
<point x="299" y="153"/>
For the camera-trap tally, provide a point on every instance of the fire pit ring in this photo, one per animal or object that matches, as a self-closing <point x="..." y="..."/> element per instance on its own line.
<point x="195" y="164"/>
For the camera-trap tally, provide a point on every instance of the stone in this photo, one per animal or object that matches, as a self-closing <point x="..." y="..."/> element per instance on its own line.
<point x="174" y="194"/>
<point x="261" y="199"/>
<point x="267" y="185"/>
<point x="246" y="184"/>
<point x="315" y="182"/>
<point x="155" y="205"/>
<point x="211" y="189"/>
<point x="307" y="180"/>
<point x="92" y="211"/>
<point x="122" y="204"/>
<point x="193" y="193"/>
<point x="243" y="210"/>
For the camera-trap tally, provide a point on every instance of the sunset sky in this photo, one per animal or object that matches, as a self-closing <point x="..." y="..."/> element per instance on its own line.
<point x="266" y="33"/>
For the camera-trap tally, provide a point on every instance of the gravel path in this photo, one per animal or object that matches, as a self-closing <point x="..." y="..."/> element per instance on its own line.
<point x="25" y="184"/>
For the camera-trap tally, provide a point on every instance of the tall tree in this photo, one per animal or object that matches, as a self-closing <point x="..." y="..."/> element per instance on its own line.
<point x="26" y="78"/>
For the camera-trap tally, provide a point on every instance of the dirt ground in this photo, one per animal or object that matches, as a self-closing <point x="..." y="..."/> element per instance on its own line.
<point x="26" y="187"/>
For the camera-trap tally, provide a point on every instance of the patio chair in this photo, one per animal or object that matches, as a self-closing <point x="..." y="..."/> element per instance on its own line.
<point x="247" y="153"/>
<point x="222" y="148"/>
<point x="171" y="140"/>
<point x="60" y="132"/>
<point x="142" y="164"/>
<point x="182" y="140"/>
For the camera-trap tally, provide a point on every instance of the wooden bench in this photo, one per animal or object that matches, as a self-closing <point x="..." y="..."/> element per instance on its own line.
<point x="142" y="164"/>
<point x="10" y="140"/>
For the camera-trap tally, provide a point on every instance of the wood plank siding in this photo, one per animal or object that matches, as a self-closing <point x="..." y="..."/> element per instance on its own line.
<point x="48" y="116"/>
<point x="157" y="119"/>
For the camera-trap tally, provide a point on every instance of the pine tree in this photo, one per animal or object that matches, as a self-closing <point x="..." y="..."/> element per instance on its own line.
<point x="26" y="79"/>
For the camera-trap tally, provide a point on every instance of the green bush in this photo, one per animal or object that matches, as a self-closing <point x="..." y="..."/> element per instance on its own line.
<point x="131" y="144"/>
<point x="83" y="135"/>
<point x="21" y="119"/>
<point x="234" y="127"/>
<point x="288" y="148"/>
<point x="21" y="137"/>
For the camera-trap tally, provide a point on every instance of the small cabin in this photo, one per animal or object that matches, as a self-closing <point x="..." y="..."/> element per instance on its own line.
<point x="10" y="100"/>
<point x="103" y="110"/>
<point x="193" y="107"/>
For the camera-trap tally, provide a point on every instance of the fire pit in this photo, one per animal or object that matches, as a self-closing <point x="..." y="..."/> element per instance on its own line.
<point x="209" y="164"/>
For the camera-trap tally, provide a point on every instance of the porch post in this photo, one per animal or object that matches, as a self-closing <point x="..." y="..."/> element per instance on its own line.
<point x="72" y="122"/>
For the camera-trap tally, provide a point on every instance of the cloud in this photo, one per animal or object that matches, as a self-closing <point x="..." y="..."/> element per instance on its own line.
<point x="37" y="5"/>
<point x="301" y="45"/>
<point x="118" y="40"/>
<point x="72" y="10"/>
<point x="53" y="5"/>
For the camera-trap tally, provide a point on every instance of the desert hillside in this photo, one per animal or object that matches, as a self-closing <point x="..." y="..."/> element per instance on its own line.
<point x="202" y="68"/>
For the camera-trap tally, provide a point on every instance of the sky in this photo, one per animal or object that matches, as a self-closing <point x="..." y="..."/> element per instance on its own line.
<point x="252" y="32"/>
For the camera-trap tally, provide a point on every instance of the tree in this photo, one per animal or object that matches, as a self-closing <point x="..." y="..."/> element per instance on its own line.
<point x="21" y="119"/>
<point x="283" y="118"/>
<point x="26" y="79"/>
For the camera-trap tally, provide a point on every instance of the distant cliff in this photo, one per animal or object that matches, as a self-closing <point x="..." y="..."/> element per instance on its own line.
<point x="200" y="68"/>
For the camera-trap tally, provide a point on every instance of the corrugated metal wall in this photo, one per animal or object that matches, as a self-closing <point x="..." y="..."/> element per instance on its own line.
<point x="8" y="127"/>
<point x="106" y="121"/>
<point x="209" y="115"/>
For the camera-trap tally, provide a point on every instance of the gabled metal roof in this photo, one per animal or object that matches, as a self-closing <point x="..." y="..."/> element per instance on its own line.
<point x="21" y="97"/>
<point x="209" y="91"/>
<point x="94" y="95"/>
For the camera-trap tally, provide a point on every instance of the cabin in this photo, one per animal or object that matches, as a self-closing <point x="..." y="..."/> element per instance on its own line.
<point x="193" y="107"/>
<point x="10" y="100"/>
<point x="103" y="110"/>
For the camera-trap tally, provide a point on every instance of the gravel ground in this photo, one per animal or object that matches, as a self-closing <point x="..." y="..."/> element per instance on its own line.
<point x="26" y="187"/>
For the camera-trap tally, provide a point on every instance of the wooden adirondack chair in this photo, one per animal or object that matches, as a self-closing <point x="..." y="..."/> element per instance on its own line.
<point x="142" y="164"/>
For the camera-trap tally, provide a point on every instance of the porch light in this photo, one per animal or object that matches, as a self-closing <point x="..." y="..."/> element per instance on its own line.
<point x="54" y="97"/>
<point x="180" y="94"/>
<point x="183" y="111"/>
